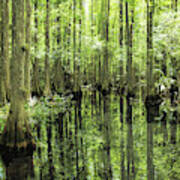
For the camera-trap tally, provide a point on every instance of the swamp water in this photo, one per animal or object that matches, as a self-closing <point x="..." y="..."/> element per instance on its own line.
<point x="102" y="138"/>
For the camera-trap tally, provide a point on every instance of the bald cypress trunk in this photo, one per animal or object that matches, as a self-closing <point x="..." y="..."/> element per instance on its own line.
<point x="69" y="31"/>
<point x="174" y="61"/>
<point x="35" y="77"/>
<point x="16" y="133"/>
<point x="131" y="52"/>
<point x="2" y="85"/>
<point x="121" y="37"/>
<point x="58" y="79"/>
<point x="6" y="49"/>
<point x="4" y="52"/>
<point x="129" y="46"/>
<point x="28" y="47"/>
<point x="101" y="32"/>
<point x="47" y="90"/>
<point x="106" y="74"/>
<point x="93" y="60"/>
<point x="74" y="48"/>
<point x="149" y="72"/>
<point x="80" y="38"/>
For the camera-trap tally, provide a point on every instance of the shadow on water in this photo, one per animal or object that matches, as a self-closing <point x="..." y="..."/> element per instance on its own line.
<point x="102" y="138"/>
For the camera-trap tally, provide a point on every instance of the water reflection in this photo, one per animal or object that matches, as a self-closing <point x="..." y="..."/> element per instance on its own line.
<point x="150" y="165"/>
<point x="164" y="129"/>
<point x="20" y="168"/>
<point x="122" y="151"/>
<point x="173" y="123"/>
<point x="130" y="149"/>
<point x="50" y="153"/>
<point x="107" y="138"/>
<point x="103" y="137"/>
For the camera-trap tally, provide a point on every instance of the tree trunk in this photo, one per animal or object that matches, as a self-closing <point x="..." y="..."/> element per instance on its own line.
<point x="4" y="51"/>
<point x="28" y="48"/>
<point x="93" y="60"/>
<point x="47" y="90"/>
<point x="16" y="133"/>
<point x="80" y="38"/>
<point x="35" y="79"/>
<point x="69" y="36"/>
<point x="106" y="78"/>
<point x="150" y="7"/>
<point x="127" y="41"/>
<point x="121" y="37"/>
<point x="131" y="52"/>
<point x="74" y="47"/>
<point x="59" y="74"/>
<point x="129" y="45"/>
<point x="2" y="85"/>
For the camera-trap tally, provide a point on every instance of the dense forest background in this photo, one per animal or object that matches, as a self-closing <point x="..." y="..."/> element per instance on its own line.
<point x="119" y="45"/>
<point x="77" y="76"/>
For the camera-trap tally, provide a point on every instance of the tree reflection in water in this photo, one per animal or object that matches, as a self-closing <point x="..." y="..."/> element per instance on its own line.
<point x="20" y="168"/>
<point x="108" y="137"/>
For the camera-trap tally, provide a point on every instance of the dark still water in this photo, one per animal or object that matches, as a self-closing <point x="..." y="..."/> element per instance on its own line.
<point x="102" y="138"/>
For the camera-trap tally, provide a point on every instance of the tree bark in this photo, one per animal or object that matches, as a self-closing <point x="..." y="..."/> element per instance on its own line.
<point x="121" y="37"/>
<point x="4" y="51"/>
<point x="2" y="85"/>
<point x="47" y="90"/>
<point x="35" y="79"/>
<point x="150" y="7"/>
<point x="58" y="79"/>
<point x="27" y="50"/>
<point x="74" y="48"/>
<point x="16" y="133"/>
<point x="106" y="74"/>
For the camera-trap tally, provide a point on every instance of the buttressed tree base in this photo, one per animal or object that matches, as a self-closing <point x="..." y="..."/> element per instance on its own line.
<point x="16" y="135"/>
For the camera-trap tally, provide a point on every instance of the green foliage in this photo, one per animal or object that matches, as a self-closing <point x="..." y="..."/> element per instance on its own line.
<point x="48" y="107"/>
<point x="166" y="37"/>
